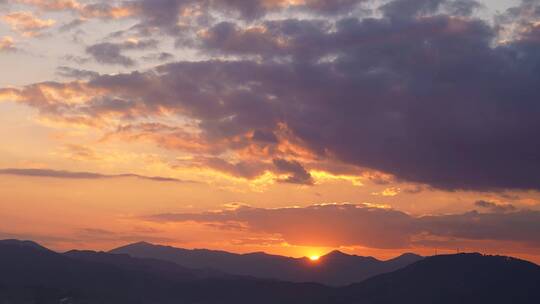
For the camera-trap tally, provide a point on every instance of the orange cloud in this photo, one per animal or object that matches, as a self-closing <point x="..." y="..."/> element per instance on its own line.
<point x="94" y="10"/>
<point x="27" y="24"/>
<point x="62" y="103"/>
<point x="373" y="226"/>
<point x="113" y="12"/>
<point x="331" y="225"/>
<point x="9" y="95"/>
<point x="392" y="191"/>
<point x="7" y="44"/>
<point x="168" y="137"/>
<point x="53" y="5"/>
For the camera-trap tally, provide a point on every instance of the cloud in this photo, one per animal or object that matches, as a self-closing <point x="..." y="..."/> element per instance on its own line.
<point x="73" y="24"/>
<point x="392" y="191"/>
<point x="7" y="44"/>
<point x="52" y="5"/>
<point x="494" y="207"/>
<point x="169" y="15"/>
<point x="164" y="15"/>
<point x="346" y="89"/>
<point x="76" y="59"/>
<point x="162" y="57"/>
<point x="297" y="174"/>
<point x="405" y="9"/>
<point x="109" y="53"/>
<point x="112" y="53"/>
<point x="336" y="225"/>
<point x="69" y="72"/>
<point x="82" y="175"/>
<point x="520" y="226"/>
<point x="165" y="136"/>
<point x="286" y="171"/>
<point x="318" y="225"/>
<point x="265" y="137"/>
<point x="27" y="24"/>
<point x="97" y="9"/>
<point x="243" y="169"/>
<point x="305" y="40"/>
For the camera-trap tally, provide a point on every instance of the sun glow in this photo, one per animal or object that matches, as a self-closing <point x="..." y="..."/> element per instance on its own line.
<point x="314" y="258"/>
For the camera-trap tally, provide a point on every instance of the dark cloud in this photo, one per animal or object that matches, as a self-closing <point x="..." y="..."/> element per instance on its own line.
<point x="264" y="136"/>
<point x="463" y="7"/>
<point x="291" y="171"/>
<point x="228" y="37"/>
<point x="69" y="72"/>
<point x="73" y="24"/>
<point x="521" y="226"/>
<point x="494" y="207"/>
<point x="410" y="8"/>
<point x="81" y="175"/>
<point x="303" y="39"/>
<point x="527" y="10"/>
<point x="112" y="53"/>
<point x="163" y="14"/>
<point x="109" y="53"/>
<point x="361" y="225"/>
<point x="162" y="57"/>
<point x="297" y="174"/>
<point x="406" y="9"/>
<point x="331" y="7"/>
<point x="243" y="169"/>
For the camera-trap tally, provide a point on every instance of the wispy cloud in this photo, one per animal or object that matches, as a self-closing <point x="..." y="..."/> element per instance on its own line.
<point x="83" y="175"/>
<point x="495" y="207"/>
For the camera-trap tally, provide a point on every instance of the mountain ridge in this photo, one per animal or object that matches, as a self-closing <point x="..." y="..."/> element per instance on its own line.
<point x="335" y="268"/>
<point x="29" y="274"/>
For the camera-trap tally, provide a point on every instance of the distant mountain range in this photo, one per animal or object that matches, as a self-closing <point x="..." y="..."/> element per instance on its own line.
<point x="335" y="268"/>
<point x="30" y="273"/>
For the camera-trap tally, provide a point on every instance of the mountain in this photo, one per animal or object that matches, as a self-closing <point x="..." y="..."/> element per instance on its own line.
<point x="461" y="278"/>
<point x="335" y="268"/>
<point x="23" y="244"/>
<point x="33" y="274"/>
<point x="30" y="273"/>
<point x="162" y="268"/>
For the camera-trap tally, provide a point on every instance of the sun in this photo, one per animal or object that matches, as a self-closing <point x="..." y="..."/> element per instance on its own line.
<point x="314" y="258"/>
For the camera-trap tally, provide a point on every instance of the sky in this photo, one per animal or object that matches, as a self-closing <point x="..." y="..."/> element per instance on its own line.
<point x="294" y="127"/>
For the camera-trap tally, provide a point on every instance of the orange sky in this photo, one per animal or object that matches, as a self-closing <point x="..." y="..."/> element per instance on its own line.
<point x="101" y="151"/>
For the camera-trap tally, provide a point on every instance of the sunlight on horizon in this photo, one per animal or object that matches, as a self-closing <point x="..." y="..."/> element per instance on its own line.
<point x="314" y="258"/>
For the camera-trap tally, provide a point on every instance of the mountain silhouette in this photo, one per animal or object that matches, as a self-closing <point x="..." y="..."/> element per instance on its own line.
<point x="30" y="273"/>
<point x="335" y="268"/>
<point x="159" y="267"/>
<point x="460" y="278"/>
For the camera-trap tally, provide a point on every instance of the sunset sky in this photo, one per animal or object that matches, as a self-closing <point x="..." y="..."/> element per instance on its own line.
<point x="293" y="127"/>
